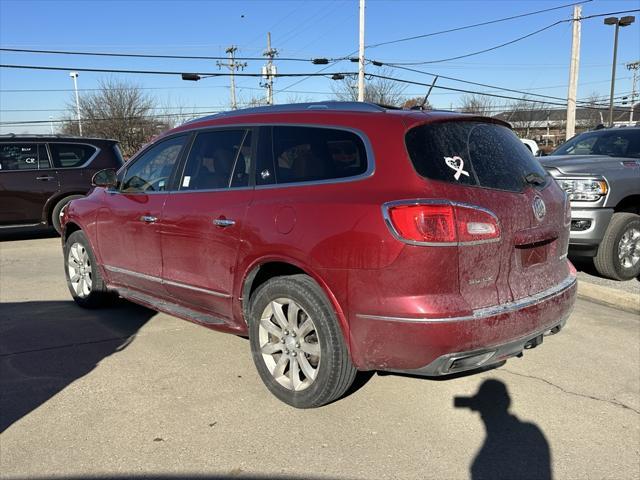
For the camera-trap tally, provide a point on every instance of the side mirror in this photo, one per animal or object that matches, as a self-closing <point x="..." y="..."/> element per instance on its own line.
<point x="105" y="178"/>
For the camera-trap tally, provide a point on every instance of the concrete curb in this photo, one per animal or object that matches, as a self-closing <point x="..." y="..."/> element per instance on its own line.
<point x="609" y="297"/>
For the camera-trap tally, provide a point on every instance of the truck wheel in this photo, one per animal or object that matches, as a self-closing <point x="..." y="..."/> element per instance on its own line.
<point x="83" y="275"/>
<point x="618" y="255"/>
<point x="296" y="342"/>
<point x="57" y="210"/>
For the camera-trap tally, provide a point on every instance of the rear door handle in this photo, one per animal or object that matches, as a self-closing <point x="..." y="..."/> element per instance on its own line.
<point x="45" y="178"/>
<point x="224" y="222"/>
<point x="148" y="219"/>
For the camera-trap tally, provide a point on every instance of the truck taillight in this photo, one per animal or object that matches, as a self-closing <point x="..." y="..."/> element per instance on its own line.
<point x="440" y="223"/>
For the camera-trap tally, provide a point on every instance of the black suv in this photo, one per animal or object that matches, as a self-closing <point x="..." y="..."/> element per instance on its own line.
<point x="39" y="175"/>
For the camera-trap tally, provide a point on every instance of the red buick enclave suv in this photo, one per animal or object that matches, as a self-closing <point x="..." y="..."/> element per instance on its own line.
<point x="338" y="237"/>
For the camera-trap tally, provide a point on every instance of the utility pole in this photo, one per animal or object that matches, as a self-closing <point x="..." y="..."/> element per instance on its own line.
<point x="573" y="74"/>
<point x="233" y="66"/>
<point x="74" y="75"/>
<point x="633" y="66"/>
<point x="361" y="56"/>
<point x="269" y="70"/>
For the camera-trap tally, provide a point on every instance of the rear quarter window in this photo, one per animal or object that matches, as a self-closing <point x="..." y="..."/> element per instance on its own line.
<point x="70" y="155"/>
<point x="471" y="153"/>
<point x="307" y="154"/>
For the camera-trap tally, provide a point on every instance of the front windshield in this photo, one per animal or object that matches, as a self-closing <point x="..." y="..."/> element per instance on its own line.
<point x="614" y="143"/>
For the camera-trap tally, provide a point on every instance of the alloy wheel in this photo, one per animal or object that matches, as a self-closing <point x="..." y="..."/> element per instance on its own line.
<point x="289" y="344"/>
<point x="79" y="267"/>
<point x="629" y="248"/>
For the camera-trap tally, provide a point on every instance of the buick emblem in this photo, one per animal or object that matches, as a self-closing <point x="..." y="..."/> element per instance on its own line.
<point x="539" y="208"/>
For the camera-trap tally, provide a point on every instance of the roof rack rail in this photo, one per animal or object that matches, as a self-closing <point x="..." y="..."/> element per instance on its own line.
<point x="300" y="107"/>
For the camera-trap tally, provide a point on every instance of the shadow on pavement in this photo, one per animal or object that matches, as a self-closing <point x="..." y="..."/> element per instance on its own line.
<point x="584" y="264"/>
<point x="45" y="346"/>
<point x="32" y="233"/>
<point x="512" y="449"/>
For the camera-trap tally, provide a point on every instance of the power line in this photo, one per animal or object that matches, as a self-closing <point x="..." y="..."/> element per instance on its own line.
<point x="163" y="72"/>
<point x="143" y="55"/>
<point x="495" y="87"/>
<point x="510" y="42"/>
<point x="495" y="47"/>
<point x="620" y="96"/>
<point x="49" y="90"/>
<point x="490" y="22"/>
<point x="461" y="90"/>
<point x="135" y="117"/>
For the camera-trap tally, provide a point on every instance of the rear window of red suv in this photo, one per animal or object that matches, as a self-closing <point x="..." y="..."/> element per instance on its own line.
<point x="308" y="154"/>
<point x="471" y="153"/>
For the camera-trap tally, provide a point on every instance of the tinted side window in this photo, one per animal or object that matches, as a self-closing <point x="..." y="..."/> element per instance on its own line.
<point x="213" y="158"/>
<point x="615" y="143"/>
<point x="70" y="155"/>
<point x="471" y="153"/>
<point x="151" y="172"/>
<point x="23" y="156"/>
<point x="303" y="154"/>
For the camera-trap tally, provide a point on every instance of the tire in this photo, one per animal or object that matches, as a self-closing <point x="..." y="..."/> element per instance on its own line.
<point x="55" y="213"/>
<point x="82" y="273"/>
<point x="618" y="254"/>
<point x="317" y="370"/>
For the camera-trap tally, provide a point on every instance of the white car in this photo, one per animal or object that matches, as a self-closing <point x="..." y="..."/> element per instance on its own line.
<point x="531" y="145"/>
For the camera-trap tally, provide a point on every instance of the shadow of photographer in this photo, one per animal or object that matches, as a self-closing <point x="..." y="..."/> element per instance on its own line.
<point x="46" y="346"/>
<point x="512" y="448"/>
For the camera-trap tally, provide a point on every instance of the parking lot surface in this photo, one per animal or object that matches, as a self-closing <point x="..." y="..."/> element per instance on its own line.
<point x="129" y="392"/>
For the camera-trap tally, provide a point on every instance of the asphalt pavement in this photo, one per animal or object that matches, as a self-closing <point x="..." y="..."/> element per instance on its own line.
<point x="587" y="273"/>
<point x="127" y="392"/>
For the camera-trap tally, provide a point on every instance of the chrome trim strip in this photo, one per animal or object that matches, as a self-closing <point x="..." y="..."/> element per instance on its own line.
<point x="485" y="312"/>
<point x="133" y="274"/>
<point x="435" y="201"/>
<point x="371" y="165"/>
<point x="165" y="282"/>
<point x="196" y="289"/>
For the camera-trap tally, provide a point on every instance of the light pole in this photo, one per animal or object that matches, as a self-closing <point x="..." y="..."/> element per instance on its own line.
<point x="618" y="22"/>
<point x="74" y="75"/>
<point x="361" y="55"/>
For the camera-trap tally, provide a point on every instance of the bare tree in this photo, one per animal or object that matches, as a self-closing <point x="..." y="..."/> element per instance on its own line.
<point x="595" y="105"/>
<point x="526" y="115"/>
<point x="376" y="90"/>
<point x="118" y="110"/>
<point x="416" y="102"/>
<point x="477" y="104"/>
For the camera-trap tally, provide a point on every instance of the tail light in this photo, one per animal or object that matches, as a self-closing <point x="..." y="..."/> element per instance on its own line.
<point x="428" y="222"/>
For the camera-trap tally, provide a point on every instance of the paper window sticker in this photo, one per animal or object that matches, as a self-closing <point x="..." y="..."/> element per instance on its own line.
<point x="186" y="181"/>
<point x="456" y="164"/>
<point x="161" y="184"/>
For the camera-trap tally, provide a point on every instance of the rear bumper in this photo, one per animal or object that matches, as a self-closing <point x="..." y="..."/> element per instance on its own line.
<point x="435" y="346"/>
<point x="463" y="361"/>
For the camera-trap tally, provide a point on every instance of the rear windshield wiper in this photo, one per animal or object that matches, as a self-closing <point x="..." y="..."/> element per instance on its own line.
<point x="534" y="179"/>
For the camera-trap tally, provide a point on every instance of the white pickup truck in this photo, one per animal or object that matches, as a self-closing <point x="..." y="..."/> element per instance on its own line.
<point x="531" y="145"/>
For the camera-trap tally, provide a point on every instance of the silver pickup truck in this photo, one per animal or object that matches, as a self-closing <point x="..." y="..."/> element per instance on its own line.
<point x="600" y="171"/>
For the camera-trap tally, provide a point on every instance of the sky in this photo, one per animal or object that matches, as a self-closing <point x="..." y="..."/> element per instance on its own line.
<point x="300" y="29"/>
